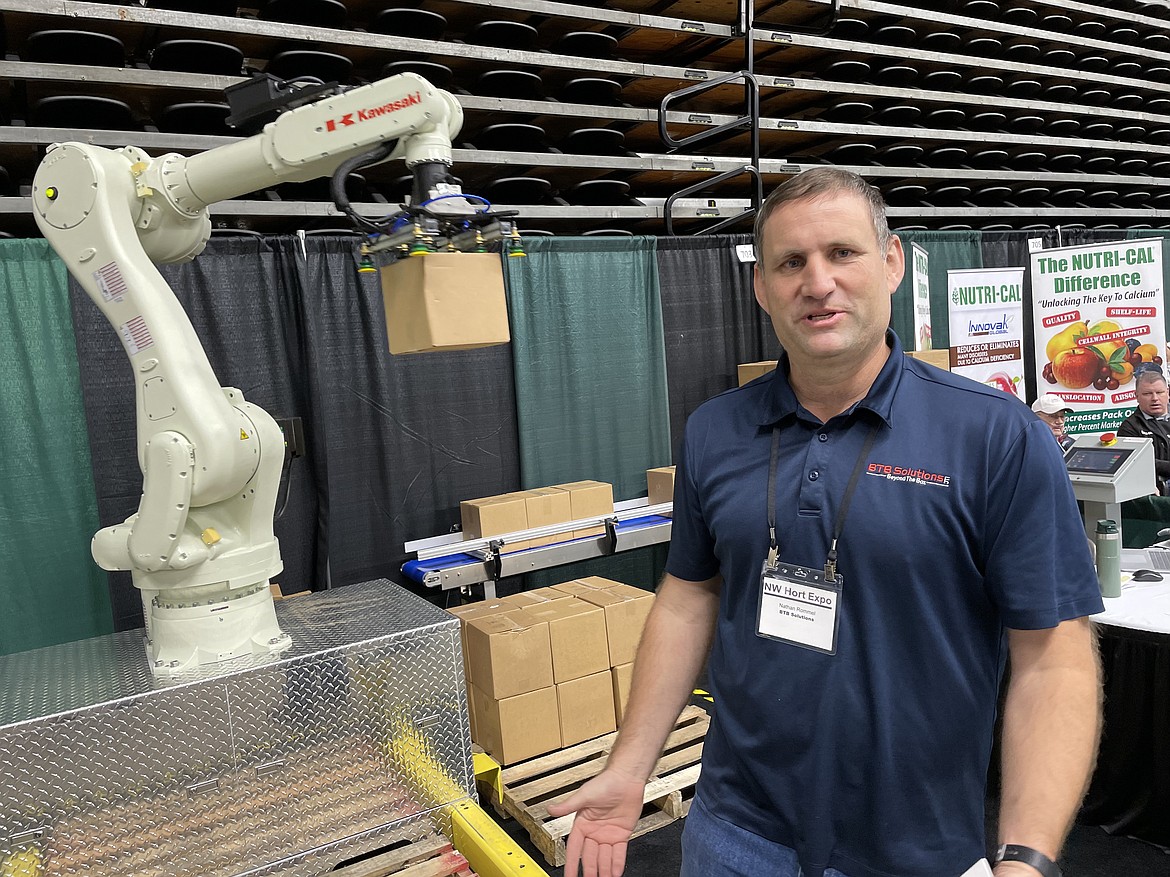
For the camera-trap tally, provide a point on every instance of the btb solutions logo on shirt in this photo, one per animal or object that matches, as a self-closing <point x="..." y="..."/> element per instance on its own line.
<point x="908" y="474"/>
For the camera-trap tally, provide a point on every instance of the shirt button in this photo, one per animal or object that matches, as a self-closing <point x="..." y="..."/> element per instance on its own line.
<point x="814" y="475"/>
<point x="823" y="437"/>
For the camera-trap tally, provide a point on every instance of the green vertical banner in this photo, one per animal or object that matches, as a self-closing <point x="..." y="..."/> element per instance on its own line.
<point x="945" y="251"/>
<point x="590" y="361"/>
<point x="590" y="369"/>
<point x="50" y="589"/>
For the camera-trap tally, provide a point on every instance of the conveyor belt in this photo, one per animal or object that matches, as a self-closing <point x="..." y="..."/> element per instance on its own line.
<point x="461" y="569"/>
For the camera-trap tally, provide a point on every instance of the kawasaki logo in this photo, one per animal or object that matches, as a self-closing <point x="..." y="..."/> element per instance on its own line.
<point x="365" y="115"/>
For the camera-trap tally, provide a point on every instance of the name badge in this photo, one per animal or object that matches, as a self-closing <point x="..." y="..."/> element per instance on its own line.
<point x="799" y="606"/>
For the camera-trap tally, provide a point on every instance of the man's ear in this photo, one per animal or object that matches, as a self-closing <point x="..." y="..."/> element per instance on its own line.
<point x="758" y="287"/>
<point x="895" y="263"/>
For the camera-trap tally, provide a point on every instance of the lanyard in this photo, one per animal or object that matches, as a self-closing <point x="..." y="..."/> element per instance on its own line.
<point x="831" y="560"/>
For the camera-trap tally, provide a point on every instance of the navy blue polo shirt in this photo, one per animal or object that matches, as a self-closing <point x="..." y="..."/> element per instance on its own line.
<point x="873" y="761"/>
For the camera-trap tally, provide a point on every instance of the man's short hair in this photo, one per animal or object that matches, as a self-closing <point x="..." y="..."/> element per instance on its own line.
<point x="1147" y="376"/>
<point x="822" y="181"/>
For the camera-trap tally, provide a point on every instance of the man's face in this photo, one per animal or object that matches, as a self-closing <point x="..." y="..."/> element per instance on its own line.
<point x="1152" y="397"/>
<point x="1055" y="422"/>
<point x="823" y="281"/>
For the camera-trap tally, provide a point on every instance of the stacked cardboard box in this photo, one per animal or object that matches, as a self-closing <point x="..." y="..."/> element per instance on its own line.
<point x="749" y="371"/>
<point x="660" y="485"/>
<point x="550" y="667"/>
<point x="939" y="357"/>
<point x="625" y="609"/>
<point x="527" y="509"/>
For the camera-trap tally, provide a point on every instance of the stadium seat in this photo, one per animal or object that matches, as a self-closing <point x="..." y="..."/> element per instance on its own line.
<point x="74" y="47"/>
<point x="196" y="117"/>
<point x="415" y="24"/>
<point x="586" y="44"/>
<point x="521" y="191"/>
<point x="438" y="75"/>
<point x="595" y="141"/>
<point x="512" y="137"/>
<point x="850" y="112"/>
<point x="197" y="56"/>
<point x="81" y="111"/>
<point x="601" y="193"/>
<point x="503" y="35"/>
<point x="514" y="84"/>
<point x="326" y="66"/>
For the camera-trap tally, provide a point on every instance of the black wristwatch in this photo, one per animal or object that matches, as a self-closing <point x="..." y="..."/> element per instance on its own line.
<point x="1029" y="856"/>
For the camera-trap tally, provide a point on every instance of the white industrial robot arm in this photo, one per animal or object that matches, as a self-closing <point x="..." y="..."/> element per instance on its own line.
<point x="201" y="546"/>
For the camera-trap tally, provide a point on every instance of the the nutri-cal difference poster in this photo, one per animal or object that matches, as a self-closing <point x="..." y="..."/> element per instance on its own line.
<point x="986" y="308"/>
<point x="1098" y="315"/>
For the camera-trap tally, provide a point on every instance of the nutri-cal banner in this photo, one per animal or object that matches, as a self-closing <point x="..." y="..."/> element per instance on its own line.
<point x="1098" y="316"/>
<point x="987" y="326"/>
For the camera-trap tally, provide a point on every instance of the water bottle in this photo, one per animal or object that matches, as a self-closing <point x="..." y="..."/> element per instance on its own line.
<point x="1109" y="558"/>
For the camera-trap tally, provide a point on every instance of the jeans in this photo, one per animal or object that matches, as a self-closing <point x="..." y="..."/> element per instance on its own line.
<point x="713" y="847"/>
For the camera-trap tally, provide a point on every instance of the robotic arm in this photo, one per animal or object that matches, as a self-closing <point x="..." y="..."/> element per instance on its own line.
<point x="201" y="547"/>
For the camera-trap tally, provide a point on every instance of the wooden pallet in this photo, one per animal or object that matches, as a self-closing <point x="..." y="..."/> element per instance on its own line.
<point x="432" y="856"/>
<point x="529" y="787"/>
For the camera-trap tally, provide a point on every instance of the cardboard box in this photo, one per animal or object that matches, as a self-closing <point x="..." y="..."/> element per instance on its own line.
<point x="493" y="516"/>
<point x="508" y="653"/>
<point x="575" y="588"/>
<point x="623" y="675"/>
<point x="588" y="499"/>
<point x="467" y="612"/>
<point x="576" y="632"/>
<point x="518" y="727"/>
<point x="940" y="358"/>
<point x="552" y="592"/>
<point x="586" y="708"/>
<point x="749" y="371"/>
<point x="547" y="506"/>
<point x="529" y="598"/>
<point x="660" y="485"/>
<point x="445" y="301"/>
<point x="625" y="610"/>
<point x="598" y="582"/>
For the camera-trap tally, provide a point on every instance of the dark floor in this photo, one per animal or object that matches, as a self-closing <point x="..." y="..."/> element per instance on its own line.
<point x="1090" y="852"/>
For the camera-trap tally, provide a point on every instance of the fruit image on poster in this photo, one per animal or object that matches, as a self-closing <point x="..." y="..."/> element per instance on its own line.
<point x="1098" y="315"/>
<point x="986" y="308"/>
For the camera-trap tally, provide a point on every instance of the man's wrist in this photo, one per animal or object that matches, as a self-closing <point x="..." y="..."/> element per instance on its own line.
<point x="1024" y="859"/>
<point x="1013" y="869"/>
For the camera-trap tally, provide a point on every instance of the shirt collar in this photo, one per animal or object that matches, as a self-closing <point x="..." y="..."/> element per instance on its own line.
<point x="780" y="403"/>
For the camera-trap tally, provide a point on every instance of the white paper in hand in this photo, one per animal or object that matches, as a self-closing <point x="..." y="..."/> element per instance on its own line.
<point x="979" y="869"/>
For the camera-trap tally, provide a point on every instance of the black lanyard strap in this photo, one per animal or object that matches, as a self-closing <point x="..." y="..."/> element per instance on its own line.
<point x="773" y="465"/>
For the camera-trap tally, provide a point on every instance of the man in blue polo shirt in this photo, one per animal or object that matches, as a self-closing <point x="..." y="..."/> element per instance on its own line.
<point x="860" y="540"/>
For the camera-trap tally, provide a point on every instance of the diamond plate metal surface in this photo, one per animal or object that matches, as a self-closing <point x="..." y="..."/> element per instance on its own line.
<point x="355" y="737"/>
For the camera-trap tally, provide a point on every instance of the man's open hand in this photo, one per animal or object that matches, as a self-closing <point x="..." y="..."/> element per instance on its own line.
<point x="607" y="808"/>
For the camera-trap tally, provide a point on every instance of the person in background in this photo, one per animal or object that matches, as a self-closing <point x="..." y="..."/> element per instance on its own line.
<point x="852" y="717"/>
<point x="1051" y="409"/>
<point x="1151" y="420"/>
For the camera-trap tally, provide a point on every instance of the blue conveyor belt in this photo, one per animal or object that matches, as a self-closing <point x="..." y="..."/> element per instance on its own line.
<point x="415" y="570"/>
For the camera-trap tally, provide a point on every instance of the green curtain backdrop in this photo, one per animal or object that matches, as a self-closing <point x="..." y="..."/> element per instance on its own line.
<point x="51" y="591"/>
<point x="590" y="362"/>
<point x="947" y="250"/>
<point x="590" y="367"/>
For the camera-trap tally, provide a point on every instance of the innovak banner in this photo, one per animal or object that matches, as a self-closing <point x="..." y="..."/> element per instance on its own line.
<point x="1098" y="314"/>
<point x="987" y="326"/>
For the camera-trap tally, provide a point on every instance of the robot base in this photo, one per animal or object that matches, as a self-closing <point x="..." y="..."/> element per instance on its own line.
<point x="182" y="638"/>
